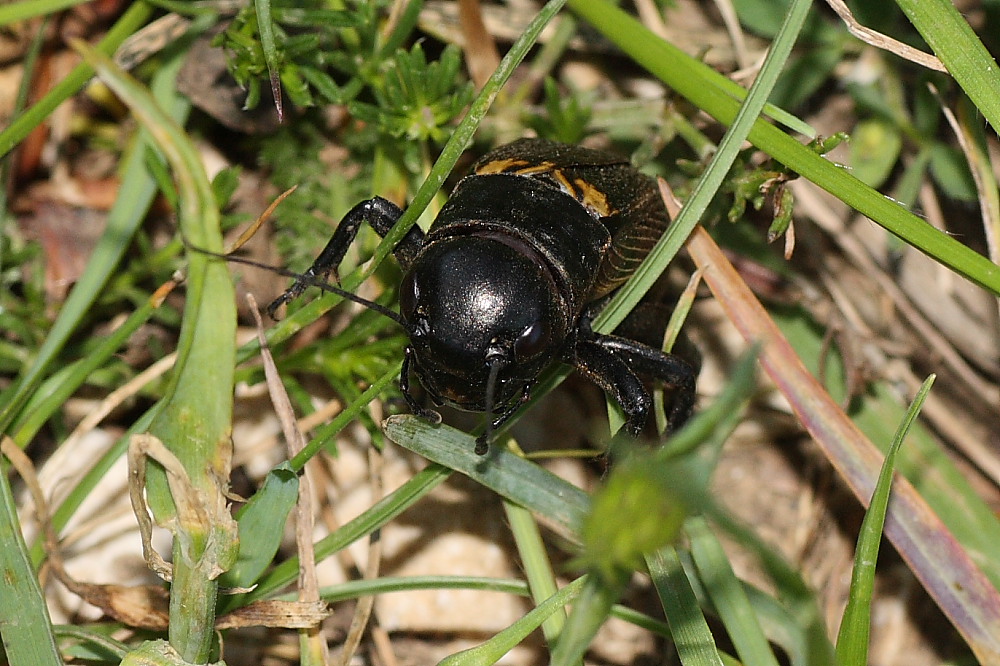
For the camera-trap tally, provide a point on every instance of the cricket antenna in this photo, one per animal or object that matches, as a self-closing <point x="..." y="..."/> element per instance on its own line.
<point x="302" y="281"/>
<point x="495" y="362"/>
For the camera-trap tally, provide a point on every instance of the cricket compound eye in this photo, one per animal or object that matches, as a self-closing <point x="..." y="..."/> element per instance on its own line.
<point x="534" y="340"/>
<point x="409" y="296"/>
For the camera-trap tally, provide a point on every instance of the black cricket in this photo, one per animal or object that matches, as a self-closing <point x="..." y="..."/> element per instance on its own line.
<point x="509" y="275"/>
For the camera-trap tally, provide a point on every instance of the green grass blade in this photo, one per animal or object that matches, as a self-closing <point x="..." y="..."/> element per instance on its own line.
<point x="688" y="626"/>
<point x="327" y="432"/>
<point x="24" y="618"/>
<point x="22" y="11"/>
<point x="28" y="64"/>
<point x="924" y="461"/>
<point x="62" y="514"/>
<point x="195" y="420"/>
<point x="360" y="588"/>
<point x="135" y="196"/>
<point x="938" y="479"/>
<point x="590" y="610"/>
<point x="265" y="27"/>
<point x="262" y="526"/>
<point x="728" y="596"/>
<point x="492" y="650"/>
<point x="560" y="503"/>
<point x="797" y="623"/>
<point x="955" y="42"/>
<point x="354" y="589"/>
<point x="93" y="645"/>
<point x="52" y="394"/>
<point x="536" y="564"/>
<point x="852" y="640"/>
<point x="948" y="573"/>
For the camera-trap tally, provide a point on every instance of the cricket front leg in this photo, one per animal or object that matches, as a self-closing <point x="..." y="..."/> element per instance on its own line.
<point x="670" y="370"/>
<point x="613" y="375"/>
<point x="380" y="214"/>
<point x="615" y="363"/>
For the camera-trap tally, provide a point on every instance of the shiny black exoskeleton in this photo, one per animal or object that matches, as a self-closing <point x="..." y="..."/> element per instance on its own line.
<point x="504" y="282"/>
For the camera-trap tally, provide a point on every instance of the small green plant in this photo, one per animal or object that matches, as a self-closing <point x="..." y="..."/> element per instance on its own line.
<point x="300" y="55"/>
<point x="757" y="185"/>
<point x="566" y="116"/>
<point x="417" y="100"/>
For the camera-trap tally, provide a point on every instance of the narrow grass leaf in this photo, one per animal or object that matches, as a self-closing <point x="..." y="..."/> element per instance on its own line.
<point x="590" y="611"/>
<point x="393" y="504"/>
<point x="728" y="596"/>
<point x="62" y="514"/>
<point x="24" y="617"/>
<point x="354" y="589"/>
<point x="975" y="147"/>
<point x="783" y="627"/>
<point x="195" y="420"/>
<point x="29" y="9"/>
<point x="796" y="623"/>
<point x="852" y="639"/>
<point x="32" y="51"/>
<point x="90" y="645"/>
<point x="954" y="41"/>
<point x="134" y="18"/>
<point x="327" y="432"/>
<point x="682" y="308"/>
<point x="688" y="626"/>
<point x="129" y="209"/>
<point x="135" y="196"/>
<point x="559" y="503"/>
<point x="924" y="461"/>
<point x="504" y="641"/>
<point x="536" y="564"/>
<point x="52" y="394"/>
<point x="265" y="26"/>
<point x="262" y="526"/>
<point x="936" y="476"/>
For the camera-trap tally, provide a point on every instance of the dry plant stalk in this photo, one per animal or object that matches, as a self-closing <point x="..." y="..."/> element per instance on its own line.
<point x="884" y="42"/>
<point x="312" y="637"/>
